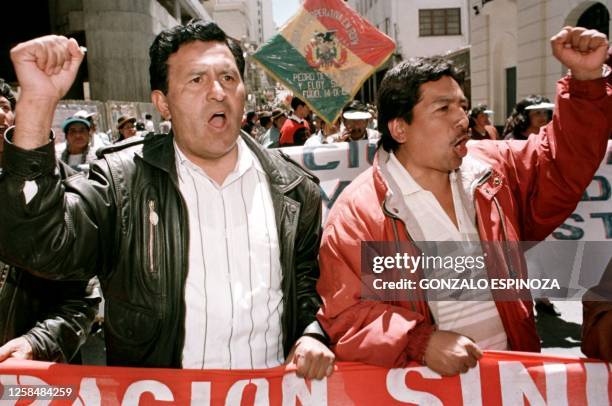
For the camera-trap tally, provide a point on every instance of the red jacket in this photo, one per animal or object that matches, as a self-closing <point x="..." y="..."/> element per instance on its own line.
<point x="295" y="131"/>
<point x="525" y="190"/>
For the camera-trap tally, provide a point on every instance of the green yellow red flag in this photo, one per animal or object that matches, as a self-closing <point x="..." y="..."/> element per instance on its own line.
<point x="324" y="54"/>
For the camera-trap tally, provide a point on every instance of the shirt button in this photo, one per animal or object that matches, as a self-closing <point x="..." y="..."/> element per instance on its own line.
<point x="497" y="181"/>
<point x="395" y="210"/>
<point x="34" y="166"/>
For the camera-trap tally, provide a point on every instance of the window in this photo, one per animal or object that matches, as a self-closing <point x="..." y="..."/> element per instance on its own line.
<point x="510" y="89"/>
<point x="439" y="21"/>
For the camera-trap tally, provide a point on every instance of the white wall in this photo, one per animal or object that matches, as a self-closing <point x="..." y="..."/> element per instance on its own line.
<point x="406" y="14"/>
<point x="538" y="71"/>
<point x="517" y="33"/>
<point x="233" y="17"/>
<point x="493" y="50"/>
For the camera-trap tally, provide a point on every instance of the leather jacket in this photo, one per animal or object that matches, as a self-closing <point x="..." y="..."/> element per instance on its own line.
<point x="100" y="226"/>
<point x="53" y="316"/>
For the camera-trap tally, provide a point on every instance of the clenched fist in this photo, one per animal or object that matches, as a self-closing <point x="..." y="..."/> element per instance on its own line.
<point x="582" y="51"/>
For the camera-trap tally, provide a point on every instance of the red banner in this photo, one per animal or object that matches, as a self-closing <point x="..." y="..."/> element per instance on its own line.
<point x="508" y="378"/>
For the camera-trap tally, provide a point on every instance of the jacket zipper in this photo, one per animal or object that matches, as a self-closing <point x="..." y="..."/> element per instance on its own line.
<point x="153" y="220"/>
<point x="397" y="240"/>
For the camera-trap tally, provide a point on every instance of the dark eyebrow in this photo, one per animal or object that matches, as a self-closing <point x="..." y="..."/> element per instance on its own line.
<point x="448" y="99"/>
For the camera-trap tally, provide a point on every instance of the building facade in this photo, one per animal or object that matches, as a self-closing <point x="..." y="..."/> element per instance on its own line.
<point x="511" y="56"/>
<point x="250" y="22"/>
<point x="117" y="34"/>
<point x="419" y="28"/>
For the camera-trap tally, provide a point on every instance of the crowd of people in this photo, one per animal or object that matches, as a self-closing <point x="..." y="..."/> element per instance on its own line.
<point x="207" y="241"/>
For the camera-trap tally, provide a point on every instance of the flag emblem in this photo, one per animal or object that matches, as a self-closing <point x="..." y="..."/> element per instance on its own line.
<point x="324" y="51"/>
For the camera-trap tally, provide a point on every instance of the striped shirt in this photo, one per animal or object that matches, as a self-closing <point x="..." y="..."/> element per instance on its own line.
<point x="233" y="292"/>
<point x="477" y="319"/>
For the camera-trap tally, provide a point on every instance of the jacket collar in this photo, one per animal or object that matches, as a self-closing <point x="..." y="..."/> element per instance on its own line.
<point x="471" y="174"/>
<point x="158" y="151"/>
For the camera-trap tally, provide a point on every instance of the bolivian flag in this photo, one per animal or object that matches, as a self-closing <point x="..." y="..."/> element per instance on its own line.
<point x="324" y="54"/>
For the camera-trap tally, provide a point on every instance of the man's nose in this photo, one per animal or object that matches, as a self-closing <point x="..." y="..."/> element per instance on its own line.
<point x="463" y="120"/>
<point x="216" y="91"/>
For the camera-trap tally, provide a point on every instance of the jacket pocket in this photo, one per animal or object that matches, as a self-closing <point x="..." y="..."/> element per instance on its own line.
<point x="132" y="331"/>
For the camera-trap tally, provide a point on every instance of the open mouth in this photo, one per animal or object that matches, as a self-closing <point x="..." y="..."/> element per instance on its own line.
<point x="218" y="120"/>
<point x="460" y="146"/>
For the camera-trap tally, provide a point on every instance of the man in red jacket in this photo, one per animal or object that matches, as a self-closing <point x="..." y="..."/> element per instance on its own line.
<point x="425" y="185"/>
<point x="295" y="130"/>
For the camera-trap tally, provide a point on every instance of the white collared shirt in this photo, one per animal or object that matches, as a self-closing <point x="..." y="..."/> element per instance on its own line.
<point x="233" y="292"/>
<point x="478" y="320"/>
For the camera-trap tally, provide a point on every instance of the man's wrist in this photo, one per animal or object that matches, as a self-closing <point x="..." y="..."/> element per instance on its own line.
<point x="591" y="74"/>
<point x="33" y="119"/>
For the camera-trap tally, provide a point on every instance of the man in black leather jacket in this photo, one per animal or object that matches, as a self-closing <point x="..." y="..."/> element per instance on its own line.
<point x="130" y="222"/>
<point x="40" y="319"/>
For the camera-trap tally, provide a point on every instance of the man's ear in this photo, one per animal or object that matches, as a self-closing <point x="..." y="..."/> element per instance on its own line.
<point x="159" y="100"/>
<point x="398" y="129"/>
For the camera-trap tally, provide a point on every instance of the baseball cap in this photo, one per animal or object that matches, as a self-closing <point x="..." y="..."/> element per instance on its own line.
<point x="74" y="119"/>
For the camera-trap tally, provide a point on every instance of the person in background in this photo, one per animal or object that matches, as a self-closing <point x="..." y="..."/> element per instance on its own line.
<point x="250" y="122"/>
<point x="296" y="130"/>
<point x="528" y="116"/>
<point x="77" y="153"/>
<point x="271" y="137"/>
<point x="149" y="125"/>
<point x="323" y="136"/>
<point x="126" y="125"/>
<point x="480" y="124"/>
<point x="597" y="301"/>
<point x="40" y="319"/>
<point x="165" y="126"/>
<point x="596" y="329"/>
<point x="355" y="119"/>
<point x="98" y="139"/>
<point x="265" y="123"/>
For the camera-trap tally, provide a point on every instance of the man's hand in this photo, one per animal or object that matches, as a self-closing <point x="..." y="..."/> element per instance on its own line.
<point x="450" y="353"/>
<point x="313" y="360"/>
<point x="16" y="348"/>
<point x="582" y="51"/>
<point x="46" y="66"/>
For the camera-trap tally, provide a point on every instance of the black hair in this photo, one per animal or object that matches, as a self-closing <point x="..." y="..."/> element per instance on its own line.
<point x="7" y="92"/>
<point x="296" y="102"/>
<point x="400" y="91"/>
<point x="250" y="115"/>
<point x="169" y="41"/>
<point x="265" y="120"/>
<point x="518" y="122"/>
<point x="476" y="111"/>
